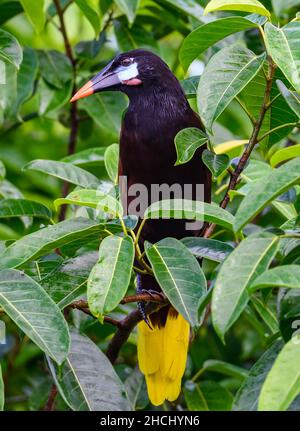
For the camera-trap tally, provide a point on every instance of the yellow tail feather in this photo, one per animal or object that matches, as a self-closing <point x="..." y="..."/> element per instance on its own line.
<point x="162" y="354"/>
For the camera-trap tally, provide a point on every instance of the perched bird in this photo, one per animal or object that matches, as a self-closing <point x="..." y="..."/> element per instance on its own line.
<point x="157" y="111"/>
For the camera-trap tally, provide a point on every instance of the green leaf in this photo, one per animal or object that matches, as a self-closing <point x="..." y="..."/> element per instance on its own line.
<point x="136" y="389"/>
<point x="287" y="276"/>
<point x="208" y="34"/>
<point x="10" y="50"/>
<point x="291" y="97"/>
<point x="207" y="396"/>
<point x="129" y="8"/>
<point x="209" y="248"/>
<point x="187" y="209"/>
<point x="52" y="99"/>
<point x="44" y="240"/>
<point x="187" y="141"/>
<point x="289" y="313"/>
<point x="64" y="171"/>
<point x="23" y="207"/>
<point x="266" y="314"/>
<point x="87" y="381"/>
<point x="94" y="199"/>
<point x="189" y="7"/>
<point x="111" y="161"/>
<point x="179" y="275"/>
<point x="2" y="397"/>
<point x="110" y="277"/>
<point x="190" y="85"/>
<point x="55" y="67"/>
<point x="88" y="157"/>
<point x="224" y="77"/>
<point x="285" y="154"/>
<point x="225" y="368"/>
<point x="105" y="109"/>
<point x="280" y="6"/>
<point x="246" y="398"/>
<point x="67" y="281"/>
<point x="282" y="383"/>
<point x="8" y="10"/>
<point x="134" y="37"/>
<point x="216" y="163"/>
<point x="90" y="9"/>
<point x="34" y="312"/>
<point x="252" y="6"/>
<point x="265" y="190"/>
<point x="2" y="171"/>
<point x="34" y="11"/>
<point x="282" y="44"/>
<point x="230" y="295"/>
<point x="27" y="75"/>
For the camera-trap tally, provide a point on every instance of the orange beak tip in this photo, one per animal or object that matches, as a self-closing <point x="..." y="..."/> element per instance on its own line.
<point x="84" y="91"/>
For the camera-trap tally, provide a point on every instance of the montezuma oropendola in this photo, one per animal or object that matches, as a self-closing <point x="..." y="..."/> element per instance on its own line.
<point x="157" y="111"/>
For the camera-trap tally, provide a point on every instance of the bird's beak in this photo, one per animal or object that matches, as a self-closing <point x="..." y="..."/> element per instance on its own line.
<point x="103" y="80"/>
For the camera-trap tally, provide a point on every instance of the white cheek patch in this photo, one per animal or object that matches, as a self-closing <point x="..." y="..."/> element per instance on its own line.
<point x="127" y="73"/>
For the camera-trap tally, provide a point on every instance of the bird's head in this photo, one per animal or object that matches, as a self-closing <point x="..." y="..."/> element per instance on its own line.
<point x="129" y="72"/>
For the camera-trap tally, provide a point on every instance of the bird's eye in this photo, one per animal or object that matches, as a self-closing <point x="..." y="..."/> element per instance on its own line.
<point x="126" y="62"/>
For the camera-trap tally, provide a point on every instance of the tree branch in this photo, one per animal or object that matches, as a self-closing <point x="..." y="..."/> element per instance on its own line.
<point x="249" y="148"/>
<point x="51" y="399"/>
<point x="73" y="109"/>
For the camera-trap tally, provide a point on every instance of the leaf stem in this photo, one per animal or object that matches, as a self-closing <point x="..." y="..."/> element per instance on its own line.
<point x="282" y="126"/>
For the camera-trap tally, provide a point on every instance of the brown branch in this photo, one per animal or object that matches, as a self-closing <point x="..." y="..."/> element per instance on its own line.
<point x="125" y="328"/>
<point x="249" y="148"/>
<point x="51" y="399"/>
<point x="73" y="109"/>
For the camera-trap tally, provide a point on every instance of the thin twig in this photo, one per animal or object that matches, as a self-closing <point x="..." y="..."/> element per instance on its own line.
<point x="249" y="148"/>
<point x="51" y="399"/>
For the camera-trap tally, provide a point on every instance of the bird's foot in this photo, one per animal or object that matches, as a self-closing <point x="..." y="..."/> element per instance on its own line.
<point x="151" y="292"/>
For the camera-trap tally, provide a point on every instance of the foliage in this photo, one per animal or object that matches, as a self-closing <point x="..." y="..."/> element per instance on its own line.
<point x="67" y="252"/>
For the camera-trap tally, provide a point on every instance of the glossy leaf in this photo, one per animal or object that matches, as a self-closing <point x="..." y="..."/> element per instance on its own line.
<point x="111" y="161"/>
<point x="189" y="86"/>
<point x="94" y="199"/>
<point x="8" y="10"/>
<point x="209" y="248"/>
<point x="265" y="190"/>
<point x="189" y="7"/>
<point x="34" y="312"/>
<point x="10" y="49"/>
<point x="187" y="141"/>
<point x="266" y="314"/>
<point x="281" y="6"/>
<point x="27" y="75"/>
<point x="207" y="396"/>
<point x="55" y="67"/>
<point x="53" y="99"/>
<point x="216" y="163"/>
<point x="282" y="44"/>
<point x="230" y="296"/>
<point x="133" y="37"/>
<point x="289" y="313"/>
<point x="179" y="275"/>
<point x="88" y="157"/>
<point x="252" y="6"/>
<point x="110" y="277"/>
<point x="88" y="381"/>
<point x="2" y="171"/>
<point x="23" y="207"/>
<point x="285" y="154"/>
<point x="246" y="398"/>
<point x="227" y="146"/>
<point x="208" y="34"/>
<point x="187" y="209"/>
<point x="225" y="368"/>
<point x="128" y="8"/>
<point x="63" y="171"/>
<point x="105" y="109"/>
<point x="136" y="389"/>
<point x="34" y="11"/>
<point x="67" y="282"/>
<point x="224" y="77"/>
<point x="90" y="9"/>
<point x="287" y="276"/>
<point x="44" y="240"/>
<point x="282" y="383"/>
<point x="291" y="97"/>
